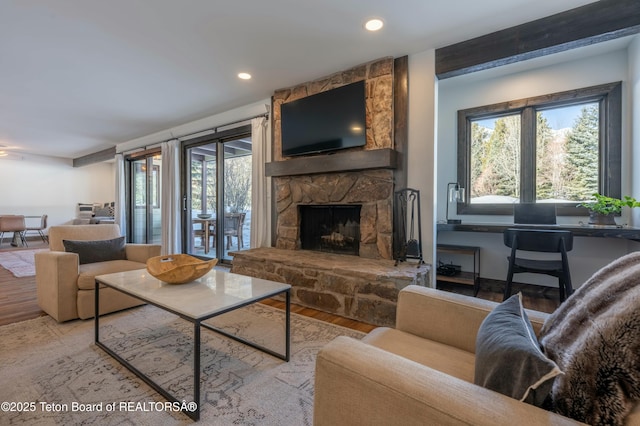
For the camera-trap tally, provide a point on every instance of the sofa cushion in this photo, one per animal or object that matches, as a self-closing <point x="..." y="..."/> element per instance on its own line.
<point x="88" y="272"/>
<point x="508" y="356"/>
<point x="97" y="250"/>
<point x="447" y="359"/>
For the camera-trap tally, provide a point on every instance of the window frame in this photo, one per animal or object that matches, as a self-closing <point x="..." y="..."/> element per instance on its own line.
<point x="609" y="98"/>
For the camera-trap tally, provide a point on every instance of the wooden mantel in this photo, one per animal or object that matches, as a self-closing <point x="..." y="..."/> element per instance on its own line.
<point x="339" y="162"/>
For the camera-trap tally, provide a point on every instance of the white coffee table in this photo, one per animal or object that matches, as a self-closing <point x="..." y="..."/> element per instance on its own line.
<point x="214" y="294"/>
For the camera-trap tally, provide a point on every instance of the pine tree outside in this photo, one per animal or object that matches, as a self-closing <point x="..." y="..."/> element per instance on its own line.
<point x="567" y="157"/>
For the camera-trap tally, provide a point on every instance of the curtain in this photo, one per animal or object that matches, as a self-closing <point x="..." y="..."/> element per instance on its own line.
<point x="170" y="204"/>
<point x="260" y="184"/>
<point x="120" y="213"/>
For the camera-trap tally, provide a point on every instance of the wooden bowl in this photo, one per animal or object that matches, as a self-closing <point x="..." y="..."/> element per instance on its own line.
<point x="179" y="268"/>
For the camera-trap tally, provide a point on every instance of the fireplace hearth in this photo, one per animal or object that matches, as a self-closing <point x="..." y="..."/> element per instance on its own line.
<point x="330" y="228"/>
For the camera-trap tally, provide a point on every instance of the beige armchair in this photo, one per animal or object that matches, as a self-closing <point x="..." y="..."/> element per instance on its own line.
<point x="66" y="288"/>
<point x="419" y="373"/>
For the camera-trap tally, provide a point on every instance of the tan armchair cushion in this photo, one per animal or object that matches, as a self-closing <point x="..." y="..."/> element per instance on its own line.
<point x="89" y="271"/>
<point x="444" y="358"/>
<point x="80" y="233"/>
<point x="431" y="314"/>
<point x="142" y="252"/>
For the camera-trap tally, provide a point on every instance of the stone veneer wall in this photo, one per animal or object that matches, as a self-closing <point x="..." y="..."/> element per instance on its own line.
<point x="361" y="287"/>
<point x="373" y="189"/>
<point x="378" y="97"/>
<point x="353" y="287"/>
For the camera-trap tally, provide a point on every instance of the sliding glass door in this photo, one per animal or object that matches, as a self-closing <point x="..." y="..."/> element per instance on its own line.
<point x="144" y="198"/>
<point x="201" y="213"/>
<point x="217" y="199"/>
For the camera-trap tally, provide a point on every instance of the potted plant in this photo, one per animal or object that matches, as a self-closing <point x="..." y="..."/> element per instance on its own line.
<point x="602" y="211"/>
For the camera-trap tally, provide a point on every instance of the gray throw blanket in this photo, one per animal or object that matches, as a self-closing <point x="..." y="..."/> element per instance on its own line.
<point x="594" y="337"/>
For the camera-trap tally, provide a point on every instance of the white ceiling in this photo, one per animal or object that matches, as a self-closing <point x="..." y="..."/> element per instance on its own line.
<point x="79" y="76"/>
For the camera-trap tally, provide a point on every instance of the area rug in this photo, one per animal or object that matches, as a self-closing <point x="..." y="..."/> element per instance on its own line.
<point x="20" y="263"/>
<point x="53" y="374"/>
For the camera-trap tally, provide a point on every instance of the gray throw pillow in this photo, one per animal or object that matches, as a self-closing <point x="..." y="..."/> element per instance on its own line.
<point x="98" y="250"/>
<point x="508" y="356"/>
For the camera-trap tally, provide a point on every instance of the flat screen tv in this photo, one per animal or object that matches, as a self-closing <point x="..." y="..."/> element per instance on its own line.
<point x="327" y="121"/>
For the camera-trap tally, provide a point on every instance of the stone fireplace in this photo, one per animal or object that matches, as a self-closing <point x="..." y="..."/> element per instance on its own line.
<point x="359" y="176"/>
<point x="371" y="190"/>
<point x="346" y="265"/>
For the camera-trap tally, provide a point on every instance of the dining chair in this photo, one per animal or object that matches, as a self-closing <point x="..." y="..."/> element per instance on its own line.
<point x="39" y="229"/>
<point x="14" y="224"/>
<point x="200" y="233"/>
<point x="541" y="241"/>
<point x="233" y="224"/>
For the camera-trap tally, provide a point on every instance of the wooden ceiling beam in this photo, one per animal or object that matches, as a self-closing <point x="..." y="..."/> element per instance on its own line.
<point x="592" y="23"/>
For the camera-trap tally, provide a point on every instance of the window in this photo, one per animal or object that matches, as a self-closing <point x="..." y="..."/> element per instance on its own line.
<point x="558" y="148"/>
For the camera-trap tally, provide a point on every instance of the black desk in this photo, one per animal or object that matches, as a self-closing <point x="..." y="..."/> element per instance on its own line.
<point x="578" y="230"/>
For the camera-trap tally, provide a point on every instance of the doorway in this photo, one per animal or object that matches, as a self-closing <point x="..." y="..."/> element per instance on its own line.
<point x="217" y="194"/>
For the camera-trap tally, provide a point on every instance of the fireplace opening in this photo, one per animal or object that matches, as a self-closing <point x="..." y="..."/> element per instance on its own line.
<point x="330" y="228"/>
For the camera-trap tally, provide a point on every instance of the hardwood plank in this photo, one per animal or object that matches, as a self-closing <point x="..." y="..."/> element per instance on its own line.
<point x="18" y="300"/>
<point x="322" y="316"/>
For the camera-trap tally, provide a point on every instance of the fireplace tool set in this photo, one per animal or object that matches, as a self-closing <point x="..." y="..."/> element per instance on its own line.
<point x="406" y="215"/>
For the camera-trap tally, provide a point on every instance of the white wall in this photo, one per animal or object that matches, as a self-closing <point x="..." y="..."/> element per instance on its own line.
<point x="527" y="79"/>
<point x="198" y="127"/>
<point x="421" y="146"/>
<point x="40" y="185"/>
<point x="460" y="93"/>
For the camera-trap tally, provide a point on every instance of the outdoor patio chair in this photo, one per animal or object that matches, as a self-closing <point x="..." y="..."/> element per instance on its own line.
<point x="233" y="224"/>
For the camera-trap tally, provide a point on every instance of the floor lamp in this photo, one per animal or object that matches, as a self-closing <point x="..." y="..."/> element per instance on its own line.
<point x="454" y="194"/>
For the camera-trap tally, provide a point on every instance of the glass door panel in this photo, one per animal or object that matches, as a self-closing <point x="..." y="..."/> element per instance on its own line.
<point x="145" y="227"/>
<point x="217" y="209"/>
<point x="154" y="229"/>
<point x="237" y="195"/>
<point x="202" y="206"/>
<point x="138" y="201"/>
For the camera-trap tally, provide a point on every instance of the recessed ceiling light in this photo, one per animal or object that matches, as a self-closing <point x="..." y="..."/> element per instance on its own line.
<point x="244" y="76"/>
<point x="374" y="24"/>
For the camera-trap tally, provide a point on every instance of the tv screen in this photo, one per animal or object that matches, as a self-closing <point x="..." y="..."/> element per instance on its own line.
<point x="327" y="121"/>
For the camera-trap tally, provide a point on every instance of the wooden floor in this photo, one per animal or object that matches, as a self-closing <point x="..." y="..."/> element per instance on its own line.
<point x="18" y="295"/>
<point x="18" y="299"/>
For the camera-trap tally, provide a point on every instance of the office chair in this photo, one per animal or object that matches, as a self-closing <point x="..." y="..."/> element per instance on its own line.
<point x="545" y="241"/>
